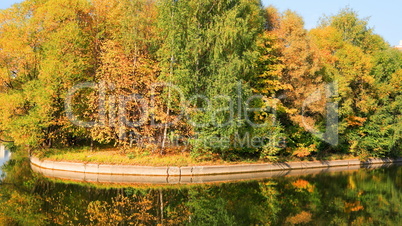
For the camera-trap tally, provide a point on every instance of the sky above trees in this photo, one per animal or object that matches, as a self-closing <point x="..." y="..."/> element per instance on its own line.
<point x="385" y="16"/>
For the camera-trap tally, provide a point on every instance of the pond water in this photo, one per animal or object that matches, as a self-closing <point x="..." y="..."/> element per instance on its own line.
<point x="4" y="157"/>
<point x="358" y="197"/>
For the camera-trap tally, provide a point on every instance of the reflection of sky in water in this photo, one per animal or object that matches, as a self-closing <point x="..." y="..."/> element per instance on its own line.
<point x="4" y="156"/>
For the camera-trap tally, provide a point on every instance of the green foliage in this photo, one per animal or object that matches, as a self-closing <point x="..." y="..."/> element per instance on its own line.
<point x="363" y="67"/>
<point x="209" y="52"/>
<point x="208" y="58"/>
<point x="383" y="129"/>
<point x="355" y="30"/>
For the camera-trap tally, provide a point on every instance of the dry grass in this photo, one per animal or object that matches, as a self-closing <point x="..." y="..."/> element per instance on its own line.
<point x="116" y="156"/>
<point x="129" y="157"/>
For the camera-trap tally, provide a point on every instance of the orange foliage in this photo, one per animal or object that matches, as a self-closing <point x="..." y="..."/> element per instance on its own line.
<point x="353" y="207"/>
<point x="303" y="184"/>
<point x="302" y="152"/>
<point x="301" y="218"/>
<point x="355" y="121"/>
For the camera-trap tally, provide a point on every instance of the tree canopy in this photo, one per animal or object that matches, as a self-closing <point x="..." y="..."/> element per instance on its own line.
<point x="223" y="78"/>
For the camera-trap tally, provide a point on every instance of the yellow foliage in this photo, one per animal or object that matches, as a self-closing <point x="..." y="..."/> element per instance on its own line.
<point x="302" y="152"/>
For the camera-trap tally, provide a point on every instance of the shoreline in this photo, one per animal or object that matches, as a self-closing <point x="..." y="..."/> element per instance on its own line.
<point x="204" y="170"/>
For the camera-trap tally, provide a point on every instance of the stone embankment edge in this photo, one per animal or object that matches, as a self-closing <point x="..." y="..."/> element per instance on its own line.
<point x="91" y="168"/>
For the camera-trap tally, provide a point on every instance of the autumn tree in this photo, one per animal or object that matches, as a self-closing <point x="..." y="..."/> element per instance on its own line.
<point x="208" y="52"/>
<point x="294" y="77"/>
<point x="355" y="30"/>
<point x="215" y="74"/>
<point x="382" y="134"/>
<point x="363" y="67"/>
<point x="19" y="64"/>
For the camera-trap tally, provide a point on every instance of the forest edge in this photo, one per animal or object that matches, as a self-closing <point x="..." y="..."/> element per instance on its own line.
<point x="173" y="171"/>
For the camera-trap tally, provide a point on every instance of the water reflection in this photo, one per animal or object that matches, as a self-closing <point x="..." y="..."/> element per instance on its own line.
<point x="363" y="197"/>
<point x="4" y="157"/>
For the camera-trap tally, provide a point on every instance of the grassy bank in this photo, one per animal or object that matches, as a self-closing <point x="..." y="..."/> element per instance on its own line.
<point x="117" y="156"/>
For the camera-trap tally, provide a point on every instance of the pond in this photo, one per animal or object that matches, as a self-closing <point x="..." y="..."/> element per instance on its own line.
<point x="356" y="197"/>
<point x="4" y="157"/>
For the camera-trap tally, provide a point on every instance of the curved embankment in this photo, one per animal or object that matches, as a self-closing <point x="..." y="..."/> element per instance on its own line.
<point x="193" y="174"/>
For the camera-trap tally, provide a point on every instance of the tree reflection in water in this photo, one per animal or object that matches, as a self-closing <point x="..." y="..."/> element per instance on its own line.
<point x="364" y="197"/>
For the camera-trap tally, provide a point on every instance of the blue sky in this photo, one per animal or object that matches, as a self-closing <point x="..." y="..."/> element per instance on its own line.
<point x="7" y="3"/>
<point x="385" y="15"/>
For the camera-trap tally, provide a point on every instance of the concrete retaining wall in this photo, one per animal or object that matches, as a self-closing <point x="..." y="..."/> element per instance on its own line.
<point x="106" y="169"/>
